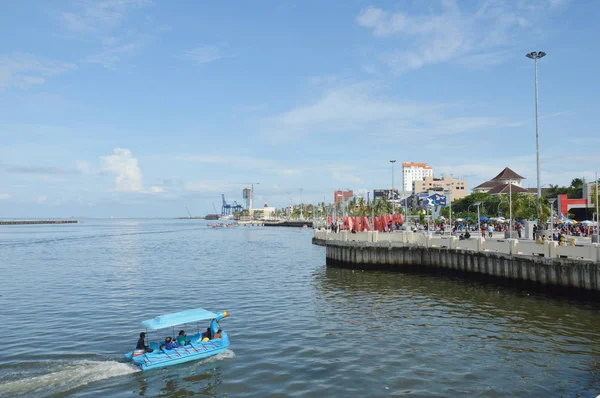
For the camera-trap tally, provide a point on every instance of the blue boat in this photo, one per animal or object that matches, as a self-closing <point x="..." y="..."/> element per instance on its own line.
<point x="196" y="345"/>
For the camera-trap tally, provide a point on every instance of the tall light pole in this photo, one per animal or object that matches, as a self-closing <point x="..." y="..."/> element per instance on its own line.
<point x="252" y="198"/>
<point x="393" y="201"/>
<point x="597" y="223"/>
<point x="535" y="56"/>
<point x="510" y="208"/>
<point x="449" y="200"/>
<point x="478" y="221"/>
<point x="404" y="192"/>
<point x="302" y="206"/>
<point x="551" y="215"/>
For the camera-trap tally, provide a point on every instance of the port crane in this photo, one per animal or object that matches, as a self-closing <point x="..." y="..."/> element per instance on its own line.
<point x="227" y="209"/>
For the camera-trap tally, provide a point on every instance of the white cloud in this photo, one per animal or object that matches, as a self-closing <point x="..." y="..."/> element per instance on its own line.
<point x="127" y="172"/>
<point x="540" y="5"/>
<point x="128" y="176"/>
<point x="362" y="108"/>
<point x="287" y="172"/>
<point x="201" y="186"/>
<point x="25" y="70"/>
<point x="4" y="196"/>
<point x="97" y="15"/>
<point x="104" y="22"/>
<point x="114" y="49"/>
<point x="156" y="189"/>
<point x="203" y="54"/>
<point x="42" y="199"/>
<point x="448" y="34"/>
<point x="346" y="177"/>
<point x="233" y="161"/>
<point x="82" y="166"/>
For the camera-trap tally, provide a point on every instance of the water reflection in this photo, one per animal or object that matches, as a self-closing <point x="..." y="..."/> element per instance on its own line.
<point x="182" y="381"/>
<point x="490" y="332"/>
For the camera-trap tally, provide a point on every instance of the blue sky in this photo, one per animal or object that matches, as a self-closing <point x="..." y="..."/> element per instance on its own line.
<point x="141" y="107"/>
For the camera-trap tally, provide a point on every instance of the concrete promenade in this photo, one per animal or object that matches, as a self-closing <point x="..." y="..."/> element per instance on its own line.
<point x="548" y="264"/>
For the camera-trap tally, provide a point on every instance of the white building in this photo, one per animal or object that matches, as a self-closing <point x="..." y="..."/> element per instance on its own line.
<point x="414" y="172"/>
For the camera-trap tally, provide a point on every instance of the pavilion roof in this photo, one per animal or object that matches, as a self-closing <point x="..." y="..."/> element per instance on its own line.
<point x="507" y="174"/>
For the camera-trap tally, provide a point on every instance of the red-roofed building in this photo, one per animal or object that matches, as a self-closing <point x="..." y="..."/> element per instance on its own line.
<point x="499" y="184"/>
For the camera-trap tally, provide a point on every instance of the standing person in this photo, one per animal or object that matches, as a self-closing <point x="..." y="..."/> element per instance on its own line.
<point x="519" y="228"/>
<point x="490" y="231"/>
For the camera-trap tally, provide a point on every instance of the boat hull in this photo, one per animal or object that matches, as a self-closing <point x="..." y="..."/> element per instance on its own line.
<point x="192" y="352"/>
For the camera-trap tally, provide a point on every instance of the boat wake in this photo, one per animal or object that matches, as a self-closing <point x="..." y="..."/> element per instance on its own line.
<point x="227" y="354"/>
<point x="69" y="375"/>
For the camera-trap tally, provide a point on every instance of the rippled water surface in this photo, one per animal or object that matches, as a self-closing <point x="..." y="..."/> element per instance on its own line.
<point x="72" y="298"/>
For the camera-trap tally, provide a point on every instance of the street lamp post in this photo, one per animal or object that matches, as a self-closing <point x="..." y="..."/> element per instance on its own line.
<point x="393" y="201"/>
<point x="551" y="214"/>
<point x="251" y="212"/>
<point x="597" y="223"/>
<point x="301" y="206"/>
<point x="535" y="56"/>
<point x="510" y="209"/>
<point x="478" y="218"/>
<point x="449" y="200"/>
<point x="509" y="206"/>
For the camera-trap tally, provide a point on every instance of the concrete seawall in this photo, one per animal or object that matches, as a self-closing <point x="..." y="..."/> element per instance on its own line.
<point x="535" y="271"/>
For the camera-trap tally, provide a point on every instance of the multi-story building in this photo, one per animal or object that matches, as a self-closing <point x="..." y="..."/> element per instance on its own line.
<point x="340" y="196"/>
<point x="458" y="188"/>
<point x="387" y="194"/>
<point x="413" y="172"/>
<point x="247" y="195"/>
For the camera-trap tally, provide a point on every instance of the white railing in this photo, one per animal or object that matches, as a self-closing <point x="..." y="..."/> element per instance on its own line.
<point x="549" y="249"/>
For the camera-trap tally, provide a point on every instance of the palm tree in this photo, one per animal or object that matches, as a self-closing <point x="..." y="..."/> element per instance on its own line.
<point x="382" y="206"/>
<point x="361" y="206"/>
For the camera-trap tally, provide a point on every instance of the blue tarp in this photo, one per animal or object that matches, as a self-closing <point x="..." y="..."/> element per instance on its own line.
<point x="178" y="318"/>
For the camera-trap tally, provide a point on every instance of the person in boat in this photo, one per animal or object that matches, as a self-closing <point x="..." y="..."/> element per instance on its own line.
<point x="182" y="338"/>
<point x="169" y="343"/>
<point x="206" y="335"/>
<point x="141" y="344"/>
<point x="218" y="335"/>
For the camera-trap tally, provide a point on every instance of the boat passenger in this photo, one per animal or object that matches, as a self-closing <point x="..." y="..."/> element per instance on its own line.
<point x="141" y="344"/>
<point x="218" y="335"/>
<point x="169" y="343"/>
<point x="206" y="335"/>
<point x="182" y="338"/>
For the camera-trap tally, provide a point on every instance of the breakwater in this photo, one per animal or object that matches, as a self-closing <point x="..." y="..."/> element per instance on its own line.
<point x="509" y="260"/>
<point x="36" y="222"/>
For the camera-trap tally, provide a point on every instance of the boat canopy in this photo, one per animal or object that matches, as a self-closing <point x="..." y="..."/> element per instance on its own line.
<point x="178" y="318"/>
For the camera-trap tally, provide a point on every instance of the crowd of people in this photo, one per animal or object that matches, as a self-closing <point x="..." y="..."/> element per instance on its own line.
<point x="464" y="230"/>
<point x="181" y="340"/>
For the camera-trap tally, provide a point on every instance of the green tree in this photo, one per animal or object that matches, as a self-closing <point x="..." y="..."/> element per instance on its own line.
<point x="382" y="206"/>
<point x="576" y="189"/>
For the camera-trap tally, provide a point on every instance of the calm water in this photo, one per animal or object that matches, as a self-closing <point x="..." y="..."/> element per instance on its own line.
<point x="72" y="298"/>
